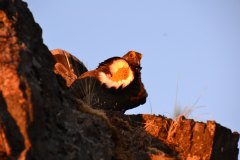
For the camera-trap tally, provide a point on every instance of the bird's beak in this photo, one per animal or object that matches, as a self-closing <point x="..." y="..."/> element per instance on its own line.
<point x="140" y="55"/>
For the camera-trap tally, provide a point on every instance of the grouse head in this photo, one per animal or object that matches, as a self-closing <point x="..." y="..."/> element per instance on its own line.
<point x="133" y="58"/>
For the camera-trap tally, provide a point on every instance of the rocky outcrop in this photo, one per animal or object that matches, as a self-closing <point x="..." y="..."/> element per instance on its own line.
<point x="191" y="139"/>
<point x="40" y="119"/>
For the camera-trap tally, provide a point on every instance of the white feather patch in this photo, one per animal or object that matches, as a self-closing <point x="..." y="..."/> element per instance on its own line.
<point x="121" y="75"/>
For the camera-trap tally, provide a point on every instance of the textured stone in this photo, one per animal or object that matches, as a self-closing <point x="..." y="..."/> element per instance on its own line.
<point x="40" y="119"/>
<point x="192" y="139"/>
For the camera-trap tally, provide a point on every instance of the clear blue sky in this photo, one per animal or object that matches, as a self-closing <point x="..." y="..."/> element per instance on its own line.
<point x="193" y="43"/>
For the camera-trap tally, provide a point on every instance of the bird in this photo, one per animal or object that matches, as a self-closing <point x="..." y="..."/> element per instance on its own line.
<point x="67" y="66"/>
<point x="114" y="85"/>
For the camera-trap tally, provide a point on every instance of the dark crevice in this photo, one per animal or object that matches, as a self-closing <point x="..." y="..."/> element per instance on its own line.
<point x="13" y="135"/>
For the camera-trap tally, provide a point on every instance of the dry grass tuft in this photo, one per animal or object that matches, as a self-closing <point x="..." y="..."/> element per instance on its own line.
<point x="86" y="108"/>
<point x="187" y="110"/>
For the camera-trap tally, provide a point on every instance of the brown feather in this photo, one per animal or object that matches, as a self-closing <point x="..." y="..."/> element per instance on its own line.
<point x="67" y="66"/>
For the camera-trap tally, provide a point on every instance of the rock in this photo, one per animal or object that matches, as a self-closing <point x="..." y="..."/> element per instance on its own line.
<point x="38" y="120"/>
<point x="191" y="139"/>
<point x="41" y="119"/>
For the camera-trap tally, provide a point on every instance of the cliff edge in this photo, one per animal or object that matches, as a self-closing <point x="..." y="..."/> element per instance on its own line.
<point x="40" y="119"/>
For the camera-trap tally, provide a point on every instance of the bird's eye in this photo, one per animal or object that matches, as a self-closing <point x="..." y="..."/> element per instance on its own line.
<point x="138" y="68"/>
<point x="131" y="55"/>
